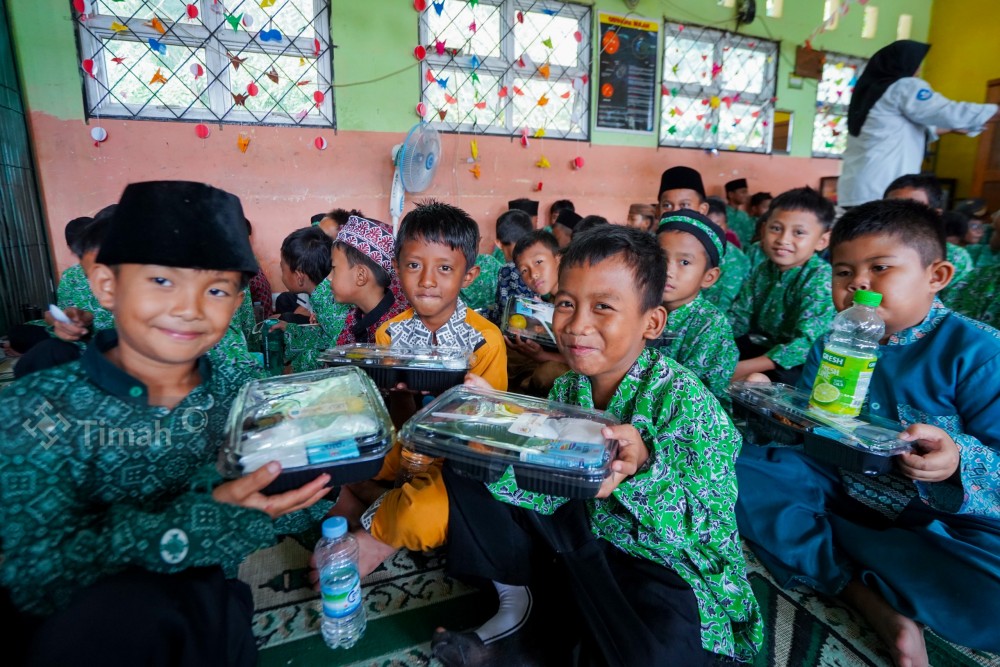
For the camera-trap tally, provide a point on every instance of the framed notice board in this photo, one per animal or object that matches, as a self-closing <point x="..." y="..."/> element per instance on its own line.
<point x="626" y="87"/>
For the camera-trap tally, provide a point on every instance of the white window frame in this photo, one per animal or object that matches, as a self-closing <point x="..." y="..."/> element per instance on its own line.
<point x="504" y="68"/>
<point x="763" y="99"/>
<point x="839" y="109"/>
<point x="216" y="39"/>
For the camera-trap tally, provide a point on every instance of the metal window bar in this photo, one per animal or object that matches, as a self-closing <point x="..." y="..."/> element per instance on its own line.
<point x="457" y="71"/>
<point x="833" y="97"/>
<point x="702" y="105"/>
<point x="215" y="37"/>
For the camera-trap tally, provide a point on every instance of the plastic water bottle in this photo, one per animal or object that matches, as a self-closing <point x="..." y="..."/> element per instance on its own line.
<point x="411" y="464"/>
<point x="849" y="357"/>
<point x="273" y="348"/>
<point x="340" y="586"/>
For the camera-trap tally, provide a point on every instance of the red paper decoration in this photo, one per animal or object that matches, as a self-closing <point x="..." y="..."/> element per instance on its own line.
<point x="320" y="143"/>
<point x="202" y="131"/>
<point x="252" y="89"/>
<point x="192" y="11"/>
<point x="318" y="96"/>
<point x="420" y="53"/>
<point x="420" y="5"/>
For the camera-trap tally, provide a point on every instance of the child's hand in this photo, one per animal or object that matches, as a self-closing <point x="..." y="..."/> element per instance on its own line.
<point x="632" y="455"/>
<point x="80" y="326"/>
<point x="280" y="325"/>
<point x="528" y="348"/>
<point x="935" y="457"/>
<point x="477" y="381"/>
<point x="245" y="492"/>
<point x="759" y="378"/>
<point x="749" y="367"/>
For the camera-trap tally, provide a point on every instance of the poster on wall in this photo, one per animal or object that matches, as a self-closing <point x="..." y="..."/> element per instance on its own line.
<point x="626" y="92"/>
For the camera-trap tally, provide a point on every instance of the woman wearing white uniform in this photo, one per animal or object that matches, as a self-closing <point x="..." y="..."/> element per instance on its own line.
<point x="891" y="115"/>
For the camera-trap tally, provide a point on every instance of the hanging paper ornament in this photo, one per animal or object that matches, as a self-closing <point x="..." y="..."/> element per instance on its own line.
<point x="247" y="21"/>
<point x="449" y="99"/>
<point x="98" y="134"/>
<point x="716" y="68"/>
<point x="672" y="129"/>
<point x="578" y="162"/>
<point x="502" y="92"/>
<point x="158" y="77"/>
<point x="475" y="80"/>
<point x="320" y="143"/>
<point x="442" y="113"/>
<point x="539" y="133"/>
<point x="480" y="105"/>
<point x="197" y="70"/>
<point x="420" y="5"/>
<point x="524" y="138"/>
<point x="538" y="186"/>
<point x="578" y="36"/>
<point x="518" y="91"/>
<point x="236" y="61"/>
<point x="252" y="89"/>
<point x="156" y="24"/>
<point x="264" y="4"/>
<point x="316" y="46"/>
<point x="318" y="97"/>
<point x="202" y="131"/>
<point x="155" y="45"/>
<point x="476" y="171"/>
<point x="474" y="149"/>
<point x="474" y="62"/>
<point x="420" y="53"/>
<point x="473" y="3"/>
<point x="755" y="114"/>
<point x="547" y="42"/>
<point x="243" y="142"/>
<point x="239" y="99"/>
<point x="302" y="62"/>
<point x="421" y="109"/>
<point x="118" y="60"/>
<point x="443" y="82"/>
<point x="544" y="70"/>
<point x="79" y="6"/>
<point x="439" y="47"/>
<point x="429" y="77"/>
<point x="438" y="7"/>
<point x="88" y="67"/>
<point x="303" y="82"/>
<point x="714" y="102"/>
<point x="118" y="27"/>
<point x="234" y="21"/>
<point x="520" y="17"/>
<point x="301" y="114"/>
<point x="728" y="101"/>
<point x="565" y="95"/>
<point x="472" y="27"/>
<point x="273" y="76"/>
<point x="270" y="35"/>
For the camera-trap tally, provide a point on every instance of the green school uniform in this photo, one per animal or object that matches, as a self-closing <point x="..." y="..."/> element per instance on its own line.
<point x="983" y="255"/>
<point x="735" y="269"/>
<point x="95" y="480"/>
<point x="481" y="294"/>
<point x="499" y="256"/>
<point x="74" y="292"/>
<point x="742" y="224"/>
<point x="960" y="257"/>
<point x="755" y="255"/>
<point x="679" y="512"/>
<point x="703" y="343"/>
<point x="305" y="342"/>
<point x="978" y="296"/>
<point x="792" y="309"/>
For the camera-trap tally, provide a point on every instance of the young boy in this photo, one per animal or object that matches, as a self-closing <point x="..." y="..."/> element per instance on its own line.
<point x="511" y="227"/>
<point x="529" y="206"/>
<point x="641" y="217"/>
<point x="654" y="565"/>
<point x="760" y="204"/>
<point x="741" y="222"/>
<point x="700" y="337"/>
<point x="919" y="546"/>
<point x="680" y="188"/>
<point x="563" y="226"/>
<point x="305" y="269"/>
<point x="531" y="368"/>
<point x="734" y="268"/>
<point x="978" y="296"/>
<point x="435" y="254"/>
<point x="363" y="278"/>
<point x="480" y="295"/>
<point x="118" y="536"/>
<point x="927" y="190"/>
<point x="785" y="304"/>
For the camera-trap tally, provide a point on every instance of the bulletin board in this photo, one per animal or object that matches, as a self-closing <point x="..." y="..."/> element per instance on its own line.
<point x="627" y="86"/>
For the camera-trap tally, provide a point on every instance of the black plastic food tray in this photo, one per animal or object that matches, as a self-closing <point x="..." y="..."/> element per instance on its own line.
<point x="761" y="427"/>
<point x="843" y="456"/>
<point x="432" y="380"/>
<point x="343" y="471"/>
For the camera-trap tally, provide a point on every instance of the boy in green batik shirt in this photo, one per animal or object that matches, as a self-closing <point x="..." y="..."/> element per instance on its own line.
<point x="738" y="196"/>
<point x="786" y="304"/>
<point x="117" y="530"/>
<point x="73" y="295"/>
<point x="734" y="266"/>
<point x="697" y="334"/>
<point x="978" y="296"/>
<point x="481" y="294"/>
<point x="656" y="569"/>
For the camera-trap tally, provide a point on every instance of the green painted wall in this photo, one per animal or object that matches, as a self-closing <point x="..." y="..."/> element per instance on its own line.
<point x="375" y="38"/>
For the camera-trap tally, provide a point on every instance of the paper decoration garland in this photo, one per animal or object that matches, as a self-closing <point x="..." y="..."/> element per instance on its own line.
<point x="420" y="5"/>
<point x="99" y="135"/>
<point x="156" y="24"/>
<point x="422" y="110"/>
<point x="578" y="162"/>
<point x="158" y="77"/>
<point x="543" y="163"/>
<point x="239" y="99"/>
<point x="252" y="89"/>
<point x="320" y="143"/>
<point x="318" y="97"/>
<point x="476" y="171"/>
<point x="202" y="131"/>
<point x="118" y="27"/>
<point x="420" y="53"/>
<point x="243" y="142"/>
<point x="88" y="67"/>
<point x="273" y="76"/>
<point x="197" y="70"/>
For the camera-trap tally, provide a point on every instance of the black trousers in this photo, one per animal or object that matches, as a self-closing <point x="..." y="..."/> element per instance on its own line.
<point x="750" y="350"/>
<point x="633" y="611"/>
<point x="193" y="618"/>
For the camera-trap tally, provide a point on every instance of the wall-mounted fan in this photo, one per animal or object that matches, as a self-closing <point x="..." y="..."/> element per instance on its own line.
<point x="415" y="160"/>
<point x="746" y="12"/>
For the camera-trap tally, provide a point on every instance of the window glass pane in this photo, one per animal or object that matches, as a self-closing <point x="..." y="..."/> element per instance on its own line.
<point x="453" y="27"/>
<point x="688" y="61"/>
<point x="290" y="95"/>
<point x="292" y="18"/>
<point x="837" y="83"/>
<point x="744" y="70"/>
<point x="829" y="134"/>
<point x="741" y="126"/>
<point x="546" y="105"/>
<point x="140" y="9"/>
<point x="463" y="101"/>
<point x="548" y="38"/>
<point x="685" y="120"/>
<point x="135" y="79"/>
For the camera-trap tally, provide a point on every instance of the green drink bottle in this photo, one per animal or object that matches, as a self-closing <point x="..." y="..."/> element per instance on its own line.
<point x="849" y="357"/>
<point x="273" y="348"/>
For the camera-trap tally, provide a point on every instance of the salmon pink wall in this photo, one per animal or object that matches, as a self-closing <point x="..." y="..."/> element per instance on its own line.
<point x="283" y="179"/>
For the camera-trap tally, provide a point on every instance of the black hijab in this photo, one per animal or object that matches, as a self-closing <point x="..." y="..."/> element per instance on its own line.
<point x="889" y="64"/>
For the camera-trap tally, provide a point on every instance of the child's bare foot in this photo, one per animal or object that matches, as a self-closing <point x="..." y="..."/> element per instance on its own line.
<point x="348" y="506"/>
<point x="902" y="635"/>
<point x="371" y="552"/>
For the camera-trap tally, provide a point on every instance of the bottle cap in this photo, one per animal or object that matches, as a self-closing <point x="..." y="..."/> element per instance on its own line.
<point x="866" y="298"/>
<point x="334" y="527"/>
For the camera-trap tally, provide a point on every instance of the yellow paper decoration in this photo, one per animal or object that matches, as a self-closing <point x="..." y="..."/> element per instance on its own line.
<point x="539" y="133"/>
<point x="714" y="102"/>
<point x="118" y="27"/>
<point x="243" y="142"/>
<point x="543" y="163"/>
<point x="474" y="147"/>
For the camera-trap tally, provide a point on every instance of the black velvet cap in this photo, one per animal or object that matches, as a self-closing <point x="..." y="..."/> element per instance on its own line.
<point x="179" y="223"/>
<point x="529" y="206"/>
<point x="736" y="184"/>
<point x="568" y="219"/>
<point x="681" y="178"/>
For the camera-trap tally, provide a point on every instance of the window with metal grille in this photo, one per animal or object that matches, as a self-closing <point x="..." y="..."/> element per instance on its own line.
<point x="239" y="61"/>
<point x="506" y="66"/>
<point x="718" y="90"/>
<point x="833" y="96"/>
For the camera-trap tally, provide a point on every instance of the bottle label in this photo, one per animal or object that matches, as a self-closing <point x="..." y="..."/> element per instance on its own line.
<point x="842" y="382"/>
<point x="341" y="593"/>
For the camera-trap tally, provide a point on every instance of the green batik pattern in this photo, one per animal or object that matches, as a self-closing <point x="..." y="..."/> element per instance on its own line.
<point x="680" y="512"/>
<point x="74" y="292"/>
<point x="735" y="269"/>
<point x="305" y="342"/>
<point x="742" y="224"/>
<point x="498" y="255"/>
<point x="92" y="483"/>
<point x="982" y="255"/>
<point x="704" y="345"/>
<point x="792" y="309"/>
<point x="481" y="294"/>
<point x="754" y="254"/>
<point x="246" y="321"/>
<point x="960" y="257"/>
<point x="978" y="296"/>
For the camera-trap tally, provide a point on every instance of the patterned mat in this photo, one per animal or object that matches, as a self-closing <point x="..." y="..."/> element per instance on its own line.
<point x="410" y="595"/>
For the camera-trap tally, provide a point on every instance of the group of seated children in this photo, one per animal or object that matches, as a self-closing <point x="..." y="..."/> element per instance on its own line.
<point x="120" y="553"/>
